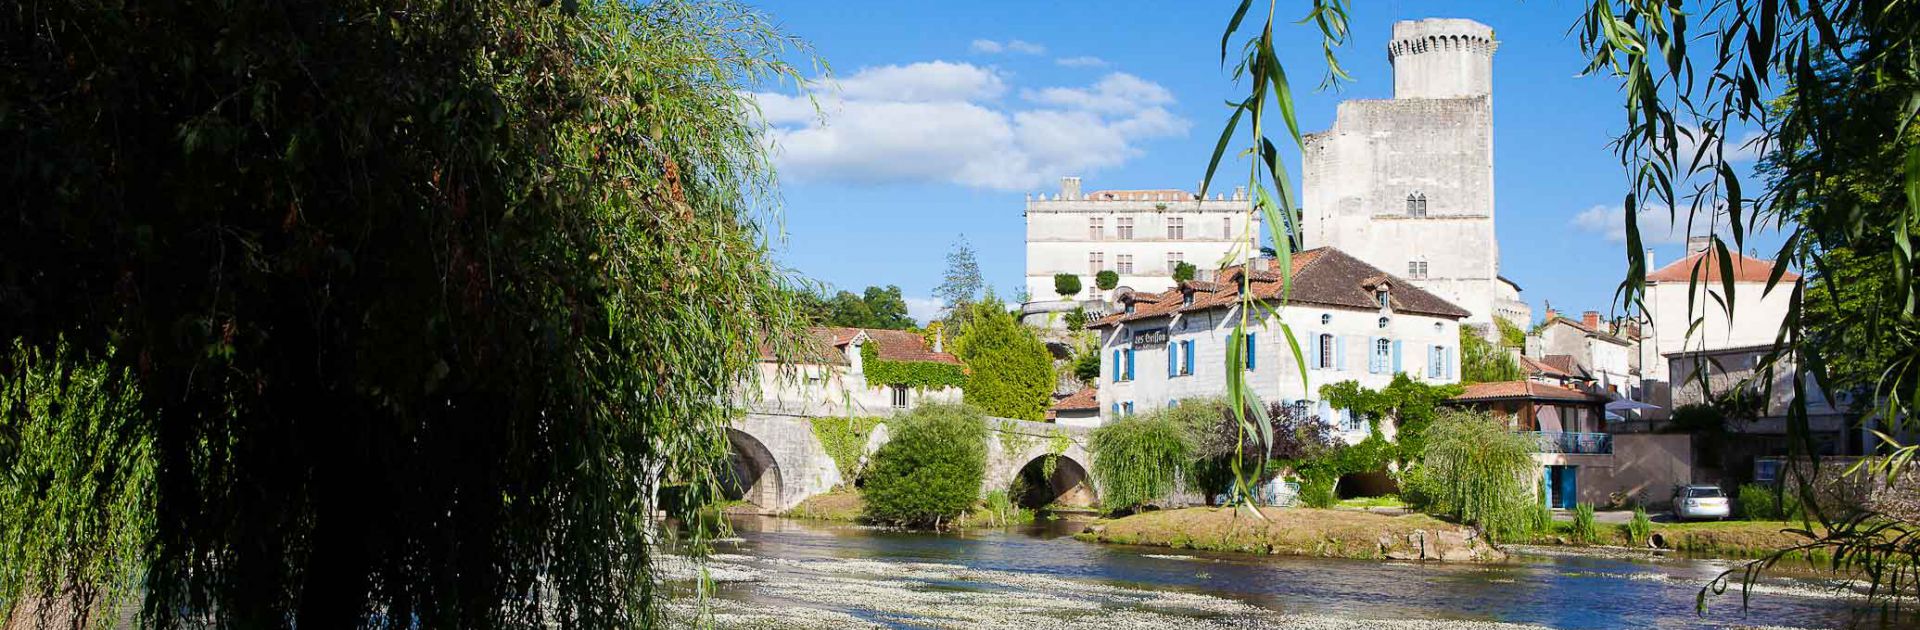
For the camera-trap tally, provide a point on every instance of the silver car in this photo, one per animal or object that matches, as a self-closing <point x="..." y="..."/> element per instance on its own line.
<point x="1700" y="502"/>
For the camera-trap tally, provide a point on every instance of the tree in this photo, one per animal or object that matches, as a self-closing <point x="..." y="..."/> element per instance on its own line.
<point x="1106" y="280"/>
<point x="847" y="309"/>
<point x="1184" y="271"/>
<point x="1140" y="459"/>
<point x="889" y="308"/>
<point x="1408" y="405"/>
<point x="1475" y="470"/>
<point x="1011" y="369"/>
<point x="1066" y="285"/>
<point x="1298" y="438"/>
<point x="412" y="304"/>
<point x="930" y="469"/>
<point x="1482" y="362"/>
<point x="962" y="283"/>
<point x="1076" y="319"/>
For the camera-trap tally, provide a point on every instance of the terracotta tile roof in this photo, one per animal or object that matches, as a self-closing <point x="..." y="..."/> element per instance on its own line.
<point x="1543" y="368"/>
<point x="1524" y="390"/>
<point x="1597" y="333"/>
<point x="894" y="345"/>
<point x="1087" y="399"/>
<point x="1562" y="362"/>
<point x="1322" y="276"/>
<point x="1745" y="269"/>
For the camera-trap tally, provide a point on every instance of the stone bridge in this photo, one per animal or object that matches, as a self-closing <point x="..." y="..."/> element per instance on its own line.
<point x="778" y="462"/>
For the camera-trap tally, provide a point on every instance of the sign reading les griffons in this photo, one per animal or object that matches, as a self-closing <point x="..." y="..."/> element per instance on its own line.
<point x="1150" y="338"/>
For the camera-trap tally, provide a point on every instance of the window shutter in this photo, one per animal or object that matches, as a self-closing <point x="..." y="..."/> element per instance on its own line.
<point x="1187" y="366"/>
<point x="1313" y="350"/>
<point x="1396" y="357"/>
<point x="1116" y="373"/>
<point x="1129" y="367"/>
<point x="1339" y="352"/>
<point x="1325" y="412"/>
<point x="1173" y="359"/>
<point x="1373" y="355"/>
<point x="1251" y="352"/>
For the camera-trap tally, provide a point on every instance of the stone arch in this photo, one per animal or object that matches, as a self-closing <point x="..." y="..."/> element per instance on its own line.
<point x="752" y="475"/>
<point x="1070" y="484"/>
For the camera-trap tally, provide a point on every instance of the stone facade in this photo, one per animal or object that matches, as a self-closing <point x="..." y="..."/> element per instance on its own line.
<point x="1406" y="184"/>
<point x="1138" y="234"/>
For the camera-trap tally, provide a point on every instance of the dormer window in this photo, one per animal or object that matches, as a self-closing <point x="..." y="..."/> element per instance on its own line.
<point x="1186" y="299"/>
<point x="1129" y="307"/>
<point x="1417" y="204"/>
<point x="1385" y="298"/>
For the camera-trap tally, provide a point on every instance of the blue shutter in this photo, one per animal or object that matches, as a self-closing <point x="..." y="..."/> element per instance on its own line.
<point x="1396" y="356"/>
<point x="1340" y="352"/>
<point x="1446" y="361"/>
<point x="1186" y="365"/>
<point x="1313" y="350"/>
<point x="1324" y="411"/>
<point x="1250" y="351"/>
<point x="1129" y="369"/>
<point x="1116" y="375"/>
<point x="1173" y="359"/>
<point x="1373" y="358"/>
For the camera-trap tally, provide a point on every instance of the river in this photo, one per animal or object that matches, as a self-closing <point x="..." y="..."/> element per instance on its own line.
<point x="787" y="574"/>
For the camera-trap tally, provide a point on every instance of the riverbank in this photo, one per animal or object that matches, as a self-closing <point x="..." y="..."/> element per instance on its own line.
<point x="846" y="506"/>
<point x="1367" y="535"/>
<point x="1299" y="532"/>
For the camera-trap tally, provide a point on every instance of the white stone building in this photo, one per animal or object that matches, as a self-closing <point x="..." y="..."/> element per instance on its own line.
<point x="1406" y="184"/>
<point x="1757" y="313"/>
<point x="1139" y="234"/>
<point x="1604" y="358"/>
<point x="831" y="379"/>
<point x="1352" y="320"/>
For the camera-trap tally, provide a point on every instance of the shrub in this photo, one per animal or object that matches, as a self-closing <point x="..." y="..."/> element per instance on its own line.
<point x="1184" y="271"/>
<point x="1761" y="502"/>
<point x="1066" y="284"/>
<point x="1479" y="472"/>
<point x="1538" y="519"/>
<point x="1139" y="459"/>
<point x="1640" y="528"/>
<point x="1106" y="280"/>
<point x="1583" y="528"/>
<point x="1012" y="371"/>
<point x="931" y="469"/>
<point x="1317" y="492"/>
<point x="1076" y="319"/>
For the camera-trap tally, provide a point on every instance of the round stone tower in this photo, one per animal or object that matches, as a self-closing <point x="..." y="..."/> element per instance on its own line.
<point x="1441" y="58"/>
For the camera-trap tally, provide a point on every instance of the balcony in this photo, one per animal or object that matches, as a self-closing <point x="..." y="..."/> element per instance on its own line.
<point x="1571" y="443"/>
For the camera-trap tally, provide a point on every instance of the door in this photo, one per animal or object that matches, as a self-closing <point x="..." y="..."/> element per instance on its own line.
<point x="1563" y="488"/>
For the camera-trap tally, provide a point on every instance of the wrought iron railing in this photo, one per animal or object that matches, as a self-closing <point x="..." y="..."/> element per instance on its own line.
<point x="1572" y="443"/>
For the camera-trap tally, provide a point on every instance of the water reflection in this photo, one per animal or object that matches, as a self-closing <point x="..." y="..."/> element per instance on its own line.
<point x="898" y="578"/>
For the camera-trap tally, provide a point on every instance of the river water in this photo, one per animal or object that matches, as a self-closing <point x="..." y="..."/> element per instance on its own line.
<point x="788" y="574"/>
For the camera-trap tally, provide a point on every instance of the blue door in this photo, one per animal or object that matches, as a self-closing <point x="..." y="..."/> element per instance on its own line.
<point x="1562" y="487"/>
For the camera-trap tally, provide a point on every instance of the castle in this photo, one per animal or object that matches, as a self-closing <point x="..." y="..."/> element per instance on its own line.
<point x="1404" y="184"/>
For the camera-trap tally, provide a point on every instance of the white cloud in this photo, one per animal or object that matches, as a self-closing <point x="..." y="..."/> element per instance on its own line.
<point x="1747" y="148"/>
<point x="923" y="310"/>
<point x="1083" y="61"/>
<point x="1656" y="227"/>
<point x="943" y="122"/>
<point x="1014" y="46"/>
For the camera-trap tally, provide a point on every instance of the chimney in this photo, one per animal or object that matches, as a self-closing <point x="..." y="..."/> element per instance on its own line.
<point x="1239" y="193"/>
<point x="1551" y="313"/>
<point x="939" y="339"/>
<point x="1070" y="188"/>
<point x="1650" y="265"/>
<point x="1590" y="319"/>
<point x="1697" y="244"/>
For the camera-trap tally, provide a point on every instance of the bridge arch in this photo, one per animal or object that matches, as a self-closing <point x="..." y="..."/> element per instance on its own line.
<point x="1069" y="483"/>
<point x="753" y="474"/>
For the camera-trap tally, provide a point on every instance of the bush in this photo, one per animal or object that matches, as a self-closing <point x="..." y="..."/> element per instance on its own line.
<point x="931" y="469"/>
<point x="1107" y="279"/>
<point x="1584" y="529"/>
<point x="1011" y="369"/>
<point x="1761" y="502"/>
<point x="1640" y="528"/>
<point x="1066" y="285"/>
<point x="1139" y="459"/>
<point x="1184" y="271"/>
<point x="1076" y="319"/>
<point x="1479" y="472"/>
<point x="1317" y="492"/>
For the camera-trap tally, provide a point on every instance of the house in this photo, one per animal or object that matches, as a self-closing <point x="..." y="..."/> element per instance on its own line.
<point x="1559" y="370"/>
<point x="1602" y="357"/>
<point x="1580" y="462"/>
<point x="1351" y="321"/>
<point x="830" y="376"/>
<point x="1756" y="402"/>
<point x="1684" y="311"/>
<point x="1080" y="409"/>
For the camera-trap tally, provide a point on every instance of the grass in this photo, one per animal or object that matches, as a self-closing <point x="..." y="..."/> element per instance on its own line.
<point x="1292" y="531"/>
<point x="1361" y="503"/>
<point x="839" y="505"/>
<point x="1723" y="539"/>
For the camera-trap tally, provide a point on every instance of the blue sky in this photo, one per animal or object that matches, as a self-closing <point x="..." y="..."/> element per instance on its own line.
<point x="946" y="114"/>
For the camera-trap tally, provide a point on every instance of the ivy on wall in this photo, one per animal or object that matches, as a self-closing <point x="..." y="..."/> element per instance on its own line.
<point x="846" y="441"/>
<point x="915" y="374"/>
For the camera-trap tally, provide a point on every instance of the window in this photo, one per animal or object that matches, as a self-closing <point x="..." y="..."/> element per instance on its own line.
<point x="1125" y="226"/>
<point x="1186" y="299"/>
<point x="1096" y="263"/>
<point x="1226" y="228"/>
<point x="1326" y="352"/>
<point x="1176" y="228"/>
<point x="1174" y="259"/>
<point x="1386" y="301"/>
<point x="1436" y="361"/>
<point x="1326" y="318"/>
<point x="899" y="397"/>
<point x="1351" y="422"/>
<point x="1383" y="322"/>
<point x="1186" y="358"/>
<point x="1126" y="408"/>
<point x="1097" y="228"/>
<point x="1382" y="355"/>
<point x="1123" y="263"/>
<point x="1417" y="269"/>
<point x="1417" y="205"/>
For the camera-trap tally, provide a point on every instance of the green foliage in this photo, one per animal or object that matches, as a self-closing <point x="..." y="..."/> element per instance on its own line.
<point x="1076" y="319"/>
<point x="416" y="297"/>
<point x="1479" y="472"/>
<point x="877" y="308"/>
<point x="1057" y="444"/>
<point x="1760" y="502"/>
<point x="1086" y="361"/>
<point x="962" y="283"/>
<point x="997" y="509"/>
<point x="845" y="440"/>
<point x="1012" y="371"/>
<point x="1184" y="271"/>
<point x="920" y="375"/>
<point x="1482" y="362"/>
<point x="1139" y="459"/>
<point x="1410" y="405"/>
<point x="78" y="432"/>
<point x="1537" y="516"/>
<point x="1318" y="492"/>
<point x="1511" y="335"/>
<point x="1640" y="529"/>
<point x="1066" y="284"/>
<point x="930" y="469"/>
<point x="1302" y="443"/>
<point x="1106" y="280"/>
<point x="1584" y="530"/>
<point x="1697" y="418"/>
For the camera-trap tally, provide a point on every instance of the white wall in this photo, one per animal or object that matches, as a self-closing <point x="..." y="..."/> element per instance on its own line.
<point x="1756" y="320"/>
<point x="1059" y="239"/>
<point x="832" y="390"/>
<point x="1276" y="376"/>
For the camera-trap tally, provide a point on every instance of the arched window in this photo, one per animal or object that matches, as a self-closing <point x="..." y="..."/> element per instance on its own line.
<point x="1326" y="352"/>
<point x="1417" y="204"/>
